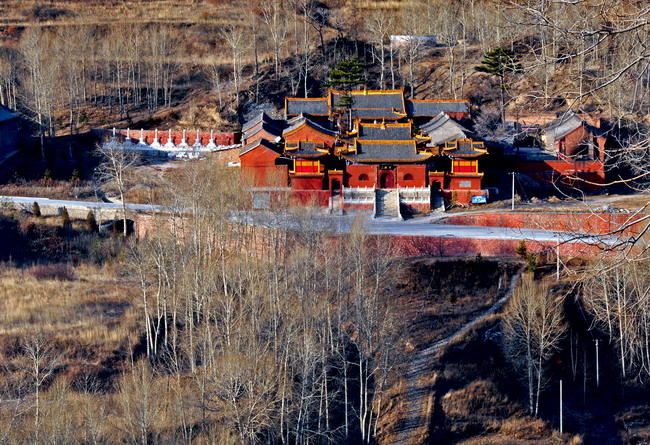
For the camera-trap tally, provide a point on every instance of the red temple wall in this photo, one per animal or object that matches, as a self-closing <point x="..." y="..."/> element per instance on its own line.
<point x="461" y="197"/>
<point x="309" y="198"/>
<point x="353" y="173"/>
<point x="306" y="182"/>
<point x="573" y="140"/>
<point x="418" y="173"/>
<point x="275" y="176"/>
<point x="549" y="171"/>
<point x="259" y="157"/>
<point x="464" y="183"/>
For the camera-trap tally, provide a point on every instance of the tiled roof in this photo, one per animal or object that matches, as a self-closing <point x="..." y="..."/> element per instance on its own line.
<point x="386" y="151"/>
<point x="466" y="148"/>
<point x="443" y="129"/>
<point x="384" y="132"/>
<point x="305" y="150"/>
<point x="264" y="126"/>
<point x="7" y="114"/>
<point x="432" y="108"/>
<point x="262" y="117"/>
<point x="565" y="124"/>
<point x="372" y="100"/>
<point x="316" y="107"/>
<point x="297" y="123"/>
<point x="376" y="114"/>
<point x="256" y="144"/>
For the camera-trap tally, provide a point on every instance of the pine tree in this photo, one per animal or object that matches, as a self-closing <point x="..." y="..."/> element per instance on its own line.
<point x="346" y="76"/>
<point x="36" y="210"/>
<point x="91" y="222"/>
<point x="500" y="62"/>
<point x="65" y="219"/>
<point x="521" y="249"/>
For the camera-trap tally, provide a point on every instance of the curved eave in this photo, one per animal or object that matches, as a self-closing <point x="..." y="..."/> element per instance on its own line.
<point x="423" y="158"/>
<point x="463" y="156"/>
<point x="465" y="175"/>
<point x="305" y="156"/>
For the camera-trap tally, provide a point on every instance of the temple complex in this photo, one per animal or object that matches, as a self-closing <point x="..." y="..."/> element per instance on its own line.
<point x="367" y="149"/>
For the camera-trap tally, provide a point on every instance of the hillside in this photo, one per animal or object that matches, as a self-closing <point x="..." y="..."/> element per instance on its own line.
<point x="195" y="57"/>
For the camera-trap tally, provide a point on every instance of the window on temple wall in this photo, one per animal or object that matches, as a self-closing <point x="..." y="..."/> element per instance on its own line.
<point x="408" y="177"/>
<point x="461" y="166"/>
<point x="302" y="166"/>
<point x="363" y="177"/>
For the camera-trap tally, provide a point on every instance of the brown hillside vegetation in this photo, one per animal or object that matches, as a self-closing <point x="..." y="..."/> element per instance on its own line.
<point x="192" y="73"/>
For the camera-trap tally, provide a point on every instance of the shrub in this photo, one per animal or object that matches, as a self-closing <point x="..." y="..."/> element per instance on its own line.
<point x="48" y="12"/>
<point x="55" y="271"/>
<point x="36" y="210"/>
<point x="91" y="222"/>
<point x="65" y="219"/>
<point x="531" y="263"/>
<point x="521" y="249"/>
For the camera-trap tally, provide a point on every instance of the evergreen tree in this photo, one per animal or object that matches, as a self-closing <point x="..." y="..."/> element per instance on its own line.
<point x="65" y="219"/>
<point x="500" y="62"/>
<point x="346" y="76"/>
<point x="521" y="249"/>
<point x="91" y="222"/>
<point x="36" y="210"/>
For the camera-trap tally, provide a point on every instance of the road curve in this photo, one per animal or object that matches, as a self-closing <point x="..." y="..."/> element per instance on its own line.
<point x="416" y="396"/>
<point x="342" y="223"/>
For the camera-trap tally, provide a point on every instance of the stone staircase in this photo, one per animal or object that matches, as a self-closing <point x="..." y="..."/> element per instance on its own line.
<point x="437" y="203"/>
<point x="387" y="204"/>
<point x="336" y="205"/>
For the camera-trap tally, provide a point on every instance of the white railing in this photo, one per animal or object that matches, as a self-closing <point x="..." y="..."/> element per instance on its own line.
<point x="358" y="195"/>
<point x="415" y="195"/>
<point x="399" y="211"/>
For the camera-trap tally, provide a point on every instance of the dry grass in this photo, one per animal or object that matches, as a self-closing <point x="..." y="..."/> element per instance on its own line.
<point x="49" y="189"/>
<point x="18" y="12"/>
<point x="94" y="310"/>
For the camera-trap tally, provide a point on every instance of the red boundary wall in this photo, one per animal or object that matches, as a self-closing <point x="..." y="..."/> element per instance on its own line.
<point x="594" y="223"/>
<point x="413" y="246"/>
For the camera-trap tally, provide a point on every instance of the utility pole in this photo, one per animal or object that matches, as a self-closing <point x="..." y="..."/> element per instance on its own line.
<point x="597" y="367"/>
<point x="513" y="191"/>
<point x="557" y="259"/>
<point x="561" y="420"/>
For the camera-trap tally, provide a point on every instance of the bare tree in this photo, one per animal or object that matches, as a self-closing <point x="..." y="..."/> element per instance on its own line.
<point x="40" y="80"/>
<point x="236" y="40"/>
<point x="533" y="324"/>
<point x="42" y="362"/>
<point x="275" y="16"/>
<point x="116" y="168"/>
<point x="379" y="27"/>
<point x="620" y="301"/>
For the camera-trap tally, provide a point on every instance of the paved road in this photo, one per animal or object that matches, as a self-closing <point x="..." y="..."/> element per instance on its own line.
<point x="26" y="200"/>
<point x="416" y="227"/>
<point x="342" y="223"/>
